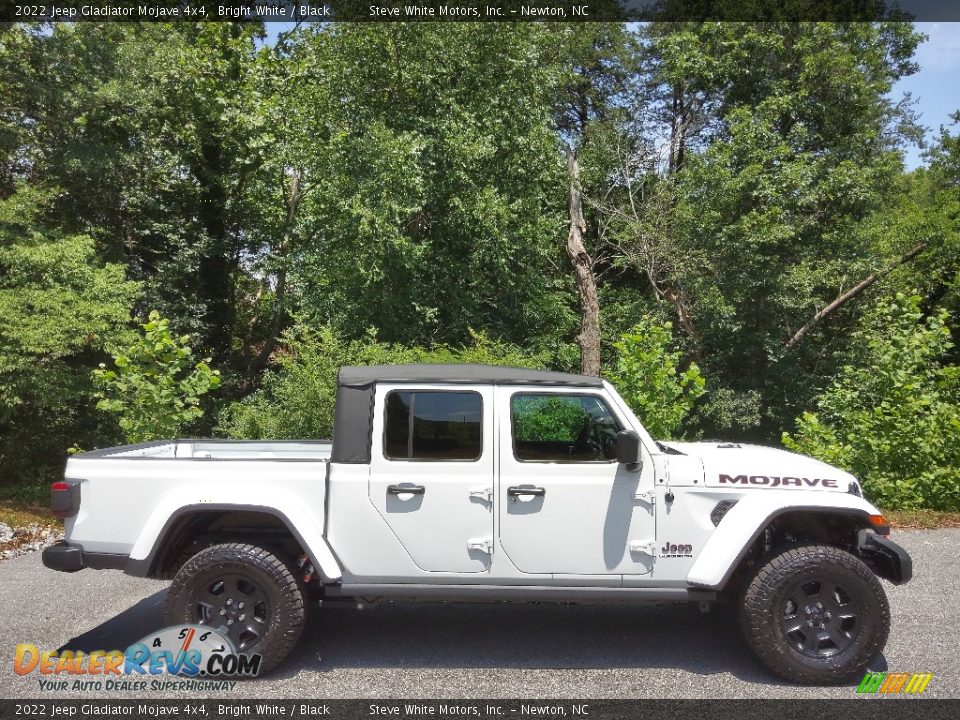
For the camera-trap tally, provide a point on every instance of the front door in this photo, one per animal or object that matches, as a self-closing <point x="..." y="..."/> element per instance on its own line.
<point x="431" y="473"/>
<point x="566" y="505"/>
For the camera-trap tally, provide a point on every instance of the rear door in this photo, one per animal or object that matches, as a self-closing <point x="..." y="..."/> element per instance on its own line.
<point x="431" y="473"/>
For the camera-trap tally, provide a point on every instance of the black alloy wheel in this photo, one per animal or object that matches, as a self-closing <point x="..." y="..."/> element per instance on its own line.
<point x="236" y="606"/>
<point x="250" y="594"/>
<point x="815" y="614"/>
<point x="820" y="618"/>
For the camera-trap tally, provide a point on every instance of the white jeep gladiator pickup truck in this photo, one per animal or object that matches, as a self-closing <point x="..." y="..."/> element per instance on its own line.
<point x="470" y="483"/>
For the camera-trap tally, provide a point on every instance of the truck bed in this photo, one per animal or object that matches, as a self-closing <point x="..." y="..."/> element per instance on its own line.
<point x="302" y="450"/>
<point x="129" y="492"/>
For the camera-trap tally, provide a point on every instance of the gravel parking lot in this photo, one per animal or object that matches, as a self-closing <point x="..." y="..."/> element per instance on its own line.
<point x="436" y="650"/>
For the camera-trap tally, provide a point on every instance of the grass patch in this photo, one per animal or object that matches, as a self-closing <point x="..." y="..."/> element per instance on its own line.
<point x="17" y="514"/>
<point x="922" y="519"/>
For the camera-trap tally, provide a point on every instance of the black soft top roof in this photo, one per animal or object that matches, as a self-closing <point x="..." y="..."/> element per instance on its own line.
<point x="353" y="419"/>
<point x="351" y="376"/>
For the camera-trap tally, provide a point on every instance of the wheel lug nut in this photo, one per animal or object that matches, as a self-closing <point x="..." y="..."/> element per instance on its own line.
<point x="229" y="602"/>
<point x="809" y="623"/>
<point x="229" y="622"/>
<point x="223" y="611"/>
<point x="242" y="617"/>
<point x="240" y="605"/>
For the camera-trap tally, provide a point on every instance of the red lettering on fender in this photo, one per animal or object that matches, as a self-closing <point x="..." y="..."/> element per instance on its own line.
<point x="774" y="481"/>
<point x="742" y="479"/>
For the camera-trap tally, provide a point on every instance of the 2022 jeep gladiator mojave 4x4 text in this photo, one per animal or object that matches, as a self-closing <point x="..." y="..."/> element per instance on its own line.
<point x="470" y="483"/>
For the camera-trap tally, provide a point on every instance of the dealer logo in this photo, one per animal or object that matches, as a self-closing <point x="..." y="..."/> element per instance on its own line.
<point x="186" y="651"/>
<point x="894" y="683"/>
<point x="189" y="650"/>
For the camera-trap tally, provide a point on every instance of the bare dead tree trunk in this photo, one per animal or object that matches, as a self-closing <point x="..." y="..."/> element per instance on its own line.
<point x="293" y="195"/>
<point x="677" y="133"/>
<point x="850" y="295"/>
<point x="589" y="337"/>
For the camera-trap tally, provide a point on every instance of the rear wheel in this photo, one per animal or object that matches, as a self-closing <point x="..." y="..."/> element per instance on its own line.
<point x="247" y="593"/>
<point x="815" y="614"/>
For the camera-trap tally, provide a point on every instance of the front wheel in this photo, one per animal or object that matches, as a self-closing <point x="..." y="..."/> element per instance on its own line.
<point x="247" y="593"/>
<point x="815" y="614"/>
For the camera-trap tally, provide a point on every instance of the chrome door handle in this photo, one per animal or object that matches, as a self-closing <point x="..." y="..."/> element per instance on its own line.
<point x="518" y="491"/>
<point x="405" y="489"/>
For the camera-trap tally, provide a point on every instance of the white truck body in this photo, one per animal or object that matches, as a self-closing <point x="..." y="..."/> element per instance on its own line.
<point x="482" y="483"/>
<point x="598" y="524"/>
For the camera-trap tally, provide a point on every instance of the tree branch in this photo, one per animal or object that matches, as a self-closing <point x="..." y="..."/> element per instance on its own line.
<point x="851" y="294"/>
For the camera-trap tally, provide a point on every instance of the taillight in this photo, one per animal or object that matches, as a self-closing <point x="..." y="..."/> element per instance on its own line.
<point x="65" y="498"/>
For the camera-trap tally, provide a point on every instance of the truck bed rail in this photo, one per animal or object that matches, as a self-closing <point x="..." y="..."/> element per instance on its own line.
<point x="192" y="449"/>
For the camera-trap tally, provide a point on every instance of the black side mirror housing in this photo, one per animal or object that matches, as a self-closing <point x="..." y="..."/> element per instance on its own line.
<point x="629" y="449"/>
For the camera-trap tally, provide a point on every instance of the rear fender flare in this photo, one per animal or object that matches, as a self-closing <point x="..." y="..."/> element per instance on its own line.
<point x="298" y="522"/>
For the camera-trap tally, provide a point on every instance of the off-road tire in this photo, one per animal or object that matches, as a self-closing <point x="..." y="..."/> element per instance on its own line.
<point x="767" y="613"/>
<point x="283" y="612"/>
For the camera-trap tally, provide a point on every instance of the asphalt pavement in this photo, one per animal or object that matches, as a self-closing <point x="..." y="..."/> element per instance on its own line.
<point x="487" y="650"/>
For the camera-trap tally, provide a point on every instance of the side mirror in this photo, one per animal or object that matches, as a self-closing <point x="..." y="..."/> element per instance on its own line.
<point x="628" y="449"/>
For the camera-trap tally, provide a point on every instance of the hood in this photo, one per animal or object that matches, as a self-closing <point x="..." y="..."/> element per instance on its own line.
<point x="736" y="465"/>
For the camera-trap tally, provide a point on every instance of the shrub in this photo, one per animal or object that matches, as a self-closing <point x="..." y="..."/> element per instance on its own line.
<point x="296" y="398"/>
<point x="893" y="420"/>
<point x="155" y="386"/>
<point x="647" y="375"/>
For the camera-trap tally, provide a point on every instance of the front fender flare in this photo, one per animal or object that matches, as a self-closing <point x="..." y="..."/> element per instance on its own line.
<point x="743" y="523"/>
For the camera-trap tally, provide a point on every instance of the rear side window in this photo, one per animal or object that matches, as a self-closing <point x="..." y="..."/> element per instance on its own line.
<point x="563" y="428"/>
<point x="433" y="425"/>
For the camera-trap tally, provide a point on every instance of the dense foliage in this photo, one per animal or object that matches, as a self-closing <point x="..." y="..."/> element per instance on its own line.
<point x="727" y="203"/>
<point x="894" y="418"/>
<point x="296" y="397"/>
<point x="60" y="308"/>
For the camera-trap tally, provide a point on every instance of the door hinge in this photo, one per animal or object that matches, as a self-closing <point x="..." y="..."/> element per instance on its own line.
<point x="647" y="547"/>
<point x="484" y="545"/>
<point x="484" y="493"/>
<point x="650" y="498"/>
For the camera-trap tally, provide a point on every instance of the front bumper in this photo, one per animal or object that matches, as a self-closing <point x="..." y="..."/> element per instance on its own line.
<point x="888" y="560"/>
<point x="65" y="557"/>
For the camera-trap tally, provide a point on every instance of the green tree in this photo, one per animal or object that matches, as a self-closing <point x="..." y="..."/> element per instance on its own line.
<point x="945" y="154"/>
<point x="790" y="143"/>
<point x="60" y="307"/>
<point x="893" y="419"/>
<point x="442" y="203"/>
<point x="155" y="387"/>
<point x="648" y="375"/>
<point x="148" y="133"/>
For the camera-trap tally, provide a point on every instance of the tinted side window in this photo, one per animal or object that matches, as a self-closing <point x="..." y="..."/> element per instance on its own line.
<point x="563" y="428"/>
<point x="433" y="425"/>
